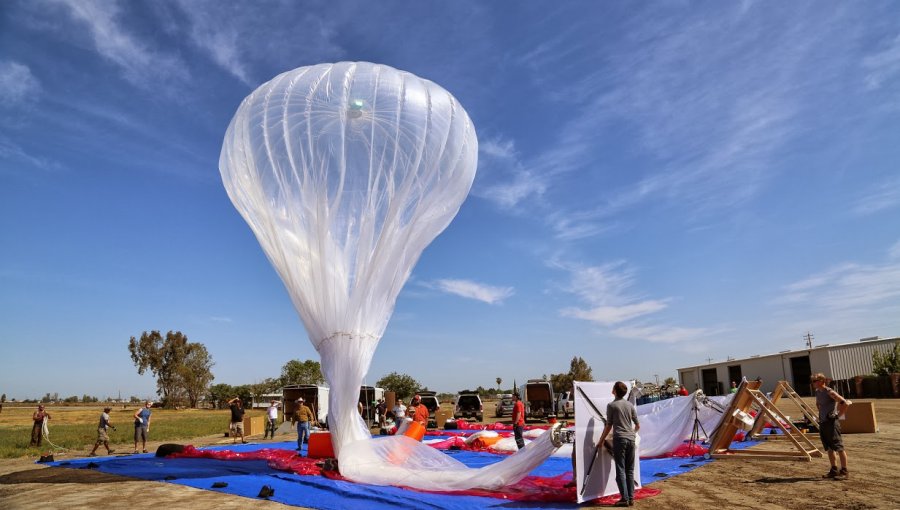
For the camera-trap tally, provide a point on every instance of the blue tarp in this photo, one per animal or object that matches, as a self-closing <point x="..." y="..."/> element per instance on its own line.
<point x="246" y="477"/>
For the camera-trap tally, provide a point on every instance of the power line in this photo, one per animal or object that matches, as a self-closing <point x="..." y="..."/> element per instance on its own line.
<point x="809" y="338"/>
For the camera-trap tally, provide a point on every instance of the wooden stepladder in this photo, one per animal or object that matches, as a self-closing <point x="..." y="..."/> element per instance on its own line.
<point x="736" y="418"/>
<point x="784" y="389"/>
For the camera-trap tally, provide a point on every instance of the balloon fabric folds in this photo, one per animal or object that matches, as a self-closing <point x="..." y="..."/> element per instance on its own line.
<point x="345" y="173"/>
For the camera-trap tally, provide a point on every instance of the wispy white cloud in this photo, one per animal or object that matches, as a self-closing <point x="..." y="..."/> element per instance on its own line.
<point x="501" y="177"/>
<point x="663" y="334"/>
<point x="140" y="65"/>
<point x="846" y="287"/>
<point x="17" y="84"/>
<point x="239" y="37"/>
<point x="610" y="315"/>
<point x="894" y="251"/>
<point x="882" y="66"/>
<point x="881" y="196"/>
<point x="20" y="161"/>
<point x="607" y="290"/>
<point x="474" y="290"/>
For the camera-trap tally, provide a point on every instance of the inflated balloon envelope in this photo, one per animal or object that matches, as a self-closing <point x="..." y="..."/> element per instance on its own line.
<point x="345" y="173"/>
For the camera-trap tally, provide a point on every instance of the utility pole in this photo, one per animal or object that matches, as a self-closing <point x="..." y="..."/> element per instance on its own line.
<point x="657" y="379"/>
<point x="709" y="360"/>
<point x="809" y="338"/>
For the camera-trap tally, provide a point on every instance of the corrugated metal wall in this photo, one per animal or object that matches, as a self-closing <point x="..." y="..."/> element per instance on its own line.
<point x="851" y="360"/>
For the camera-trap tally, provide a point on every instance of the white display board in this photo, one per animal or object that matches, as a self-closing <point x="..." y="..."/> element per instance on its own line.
<point x="588" y="428"/>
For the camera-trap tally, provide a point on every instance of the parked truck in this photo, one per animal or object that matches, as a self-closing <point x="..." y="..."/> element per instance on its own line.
<point x="565" y="404"/>
<point x="537" y="395"/>
<point x="315" y="397"/>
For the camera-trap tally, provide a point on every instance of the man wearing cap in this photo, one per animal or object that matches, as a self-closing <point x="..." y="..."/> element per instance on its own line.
<point x="38" y="418"/>
<point x="304" y="417"/>
<point x="271" y="418"/>
<point x="102" y="436"/>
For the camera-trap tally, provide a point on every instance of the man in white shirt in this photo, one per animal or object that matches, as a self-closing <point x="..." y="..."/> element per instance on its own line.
<point x="399" y="412"/>
<point x="271" y="419"/>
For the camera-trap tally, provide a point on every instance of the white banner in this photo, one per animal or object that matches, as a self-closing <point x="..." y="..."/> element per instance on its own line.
<point x="588" y="428"/>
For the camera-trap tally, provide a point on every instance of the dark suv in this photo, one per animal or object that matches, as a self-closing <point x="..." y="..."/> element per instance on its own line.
<point x="504" y="408"/>
<point x="468" y="405"/>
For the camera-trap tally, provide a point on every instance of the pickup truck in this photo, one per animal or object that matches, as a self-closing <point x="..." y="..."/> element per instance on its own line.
<point x="565" y="404"/>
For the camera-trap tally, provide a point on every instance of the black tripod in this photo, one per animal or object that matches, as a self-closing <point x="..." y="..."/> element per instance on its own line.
<point x="698" y="425"/>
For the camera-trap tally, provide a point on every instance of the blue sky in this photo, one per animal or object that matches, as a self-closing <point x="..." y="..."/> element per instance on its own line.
<point x="658" y="184"/>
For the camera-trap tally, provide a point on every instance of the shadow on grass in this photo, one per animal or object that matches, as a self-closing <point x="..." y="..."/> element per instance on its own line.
<point x="61" y="475"/>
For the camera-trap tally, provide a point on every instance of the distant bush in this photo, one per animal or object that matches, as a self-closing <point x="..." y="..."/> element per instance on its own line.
<point x="887" y="362"/>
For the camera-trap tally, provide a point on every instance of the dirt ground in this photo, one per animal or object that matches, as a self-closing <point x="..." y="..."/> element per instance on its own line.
<point x="874" y="460"/>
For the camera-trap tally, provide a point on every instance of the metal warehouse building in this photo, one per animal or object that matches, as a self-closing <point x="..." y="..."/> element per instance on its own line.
<point x="839" y="362"/>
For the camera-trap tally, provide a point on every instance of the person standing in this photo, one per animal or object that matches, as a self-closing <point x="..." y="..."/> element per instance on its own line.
<point x="518" y="420"/>
<point x="304" y="417"/>
<point x="380" y="411"/>
<point x="142" y="426"/>
<point x="236" y="427"/>
<point x="831" y="406"/>
<point x="421" y="414"/>
<point x="271" y="419"/>
<point x="683" y="391"/>
<point x="102" y="436"/>
<point x="622" y="421"/>
<point x="734" y="387"/>
<point x="38" y="425"/>
<point x="399" y="412"/>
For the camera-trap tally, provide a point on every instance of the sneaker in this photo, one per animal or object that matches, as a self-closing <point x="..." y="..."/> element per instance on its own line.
<point x="92" y="454"/>
<point x="135" y="452"/>
<point x="145" y="451"/>
<point x="831" y="473"/>
<point x="243" y="442"/>
<point x="621" y="502"/>
<point x="843" y="474"/>
<point x="110" y="452"/>
<point x="630" y="502"/>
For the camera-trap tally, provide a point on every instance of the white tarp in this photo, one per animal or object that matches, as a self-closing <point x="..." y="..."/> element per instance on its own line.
<point x="588" y="428"/>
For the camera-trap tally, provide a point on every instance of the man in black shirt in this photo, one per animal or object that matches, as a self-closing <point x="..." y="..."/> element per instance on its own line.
<point x="237" y="419"/>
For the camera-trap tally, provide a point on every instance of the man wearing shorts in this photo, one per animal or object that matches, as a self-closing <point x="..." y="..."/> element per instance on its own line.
<point x="237" y="419"/>
<point x="831" y="405"/>
<point x="102" y="436"/>
<point x="142" y="426"/>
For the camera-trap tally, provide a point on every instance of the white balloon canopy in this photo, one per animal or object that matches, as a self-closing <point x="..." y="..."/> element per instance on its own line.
<point x="346" y="172"/>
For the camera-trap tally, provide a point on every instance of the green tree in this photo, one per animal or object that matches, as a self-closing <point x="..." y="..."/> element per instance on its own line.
<point x="886" y="362"/>
<point x="301" y="372"/>
<point x="579" y="370"/>
<point x="401" y="384"/>
<point x="195" y="372"/>
<point x="669" y="381"/>
<point x="267" y="385"/>
<point x="180" y="366"/>
<point x="219" y="394"/>
<point x="3" y="398"/>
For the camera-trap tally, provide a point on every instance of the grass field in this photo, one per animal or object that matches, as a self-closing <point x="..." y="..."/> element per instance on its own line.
<point x="75" y="427"/>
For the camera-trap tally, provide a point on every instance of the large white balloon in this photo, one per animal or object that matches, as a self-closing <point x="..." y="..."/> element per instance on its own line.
<point x="346" y="172"/>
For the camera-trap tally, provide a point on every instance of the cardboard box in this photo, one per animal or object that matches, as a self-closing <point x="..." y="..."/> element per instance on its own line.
<point x="254" y="425"/>
<point x="860" y="419"/>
